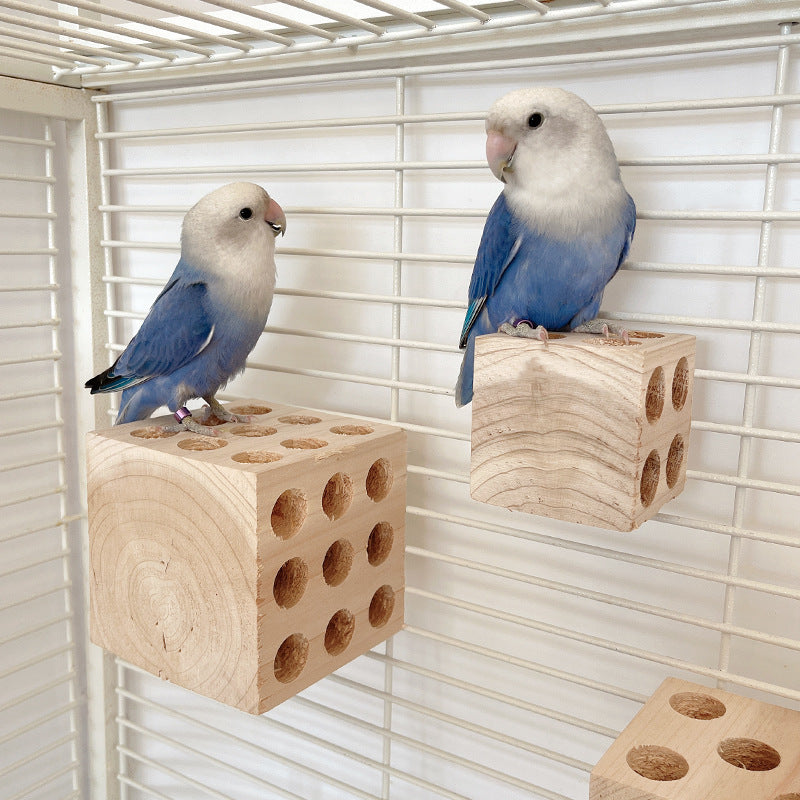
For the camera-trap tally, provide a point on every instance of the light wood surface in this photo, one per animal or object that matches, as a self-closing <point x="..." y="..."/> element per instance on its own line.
<point x="691" y="742"/>
<point x="188" y="548"/>
<point x="583" y="428"/>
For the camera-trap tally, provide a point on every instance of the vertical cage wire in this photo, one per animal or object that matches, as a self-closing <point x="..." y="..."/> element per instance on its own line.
<point x="412" y="702"/>
<point x="46" y="707"/>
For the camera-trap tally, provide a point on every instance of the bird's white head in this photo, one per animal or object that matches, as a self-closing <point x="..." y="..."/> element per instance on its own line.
<point x="233" y="225"/>
<point x="551" y="150"/>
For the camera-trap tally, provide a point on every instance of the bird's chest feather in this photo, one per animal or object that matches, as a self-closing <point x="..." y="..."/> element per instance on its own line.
<point x="550" y="281"/>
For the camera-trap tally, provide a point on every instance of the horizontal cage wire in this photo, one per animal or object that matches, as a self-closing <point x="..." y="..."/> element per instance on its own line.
<point x="39" y="669"/>
<point x="528" y="644"/>
<point x="102" y="43"/>
<point x="441" y="710"/>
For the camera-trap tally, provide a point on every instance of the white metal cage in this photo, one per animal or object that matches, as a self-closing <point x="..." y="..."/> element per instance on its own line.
<point x="528" y="643"/>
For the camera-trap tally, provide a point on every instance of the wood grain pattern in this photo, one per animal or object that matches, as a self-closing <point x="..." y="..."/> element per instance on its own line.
<point x="239" y="566"/>
<point x="689" y="741"/>
<point x="583" y="429"/>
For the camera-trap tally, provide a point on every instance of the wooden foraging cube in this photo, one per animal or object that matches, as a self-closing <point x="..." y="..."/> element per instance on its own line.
<point x="689" y="742"/>
<point x="584" y="428"/>
<point x="250" y="565"/>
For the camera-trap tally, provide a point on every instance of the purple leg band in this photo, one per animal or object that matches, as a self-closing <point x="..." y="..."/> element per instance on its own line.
<point x="182" y="413"/>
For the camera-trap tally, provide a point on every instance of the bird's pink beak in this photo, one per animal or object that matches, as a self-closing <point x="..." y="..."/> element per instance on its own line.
<point x="275" y="218"/>
<point x="500" y="151"/>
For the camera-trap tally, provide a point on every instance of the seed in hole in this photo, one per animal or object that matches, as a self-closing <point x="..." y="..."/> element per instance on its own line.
<point x="291" y="657"/>
<point x="339" y="632"/>
<point x="657" y="763"/>
<point x="555" y="336"/>
<point x="299" y="419"/>
<point x="696" y="705"/>
<point x="290" y="583"/>
<point x="649" y="483"/>
<point x="680" y="384"/>
<point x="337" y="496"/>
<point x="153" y="432"/>
<point x="654" y="400"/>
<point x="337" y="562"/>
<point x="202" y="443"/>
<point x="256" y="457"/>
<point x="609" y="341"/>
<point x="380" y="543"/>
<point x="749" y="754"/>
<point x="253" y="430"/>
<point x="645" y="335"/>
<point x="352" y="430"/>
<point x="674" y="460"/>
<point x="250" y="410"/>
<point x="303" y="444"/>
<point x="790" y="796"/>
<point x="289" y="513"/>
<point x="379" y="479"/>
<point x="381" y="606"/>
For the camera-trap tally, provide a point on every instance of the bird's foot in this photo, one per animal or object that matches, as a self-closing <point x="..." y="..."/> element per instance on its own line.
<point x="186" y="423"/>
<point x="217" y="412"/>
<point x="525" y="329"/>
<point x="606" y="328"/>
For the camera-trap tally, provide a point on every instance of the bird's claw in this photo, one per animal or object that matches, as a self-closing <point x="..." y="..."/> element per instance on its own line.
<point x="606" y="329"/>
<point x="525" y="330"/>
<point x="220" y="414"/>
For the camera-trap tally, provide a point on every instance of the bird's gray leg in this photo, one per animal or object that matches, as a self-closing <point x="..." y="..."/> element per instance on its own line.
<point x="185" y="422"/>
<point x="524" y="329"/>
<point x="606" y="328"/>
<point x="221" y="413"/>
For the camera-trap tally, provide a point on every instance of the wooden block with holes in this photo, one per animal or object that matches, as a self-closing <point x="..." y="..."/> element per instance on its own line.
<point x="247" y="566"/>
<point x="689" y="742"/>
<point x="584" y="428"/>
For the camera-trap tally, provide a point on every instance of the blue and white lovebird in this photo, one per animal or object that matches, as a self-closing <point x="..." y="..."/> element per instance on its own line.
<point x="558" y="232"/>
<point x="208" y="318"/>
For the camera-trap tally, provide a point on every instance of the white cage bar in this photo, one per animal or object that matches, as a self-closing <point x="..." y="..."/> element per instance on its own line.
<point x="528" y="643"/>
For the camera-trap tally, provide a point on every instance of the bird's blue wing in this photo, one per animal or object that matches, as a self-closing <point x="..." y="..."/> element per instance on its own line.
<point x="176" y="329"/>
<point x="497" y="249"/>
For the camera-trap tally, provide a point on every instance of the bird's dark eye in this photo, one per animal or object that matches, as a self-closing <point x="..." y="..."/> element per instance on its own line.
<point x="535" y="120"/>
<point x="246" y="213"/>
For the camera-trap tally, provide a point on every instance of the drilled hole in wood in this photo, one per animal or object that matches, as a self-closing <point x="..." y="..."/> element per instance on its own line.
<point x="299" y="419"/>
<point x="381" y="606"/>
<point x="303" y="444"/>
<point x="352" y="430"/>
<point x="790" y="796"/>
<point x="253" y="430"/>
<point x="291" y="658"/>
<point x="657" y="763"/>
<point x="379" y="479"/>
<point x="250" y="410"/>
<point x="654" y="400"/>
<point x="289" y="513"/>
<point x="680" y="384"/>
<point x="337" y="562"/>
<point x="697" y="705"/>
<point x="645" y="335"/>
<point x="290" y="583"/>
<point x="649" y="482"/>
<point x="339" y="632"/>
<point x="749" y="754"/>
<point x="337" y="496"/>
<point x="380" y="543"/>
<point x="674" y="460"/>
<point x="551" y="336"/>
<point x="153" y="432"/>
<point x="256" y="457"/>
<point x="202" y="443"/>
